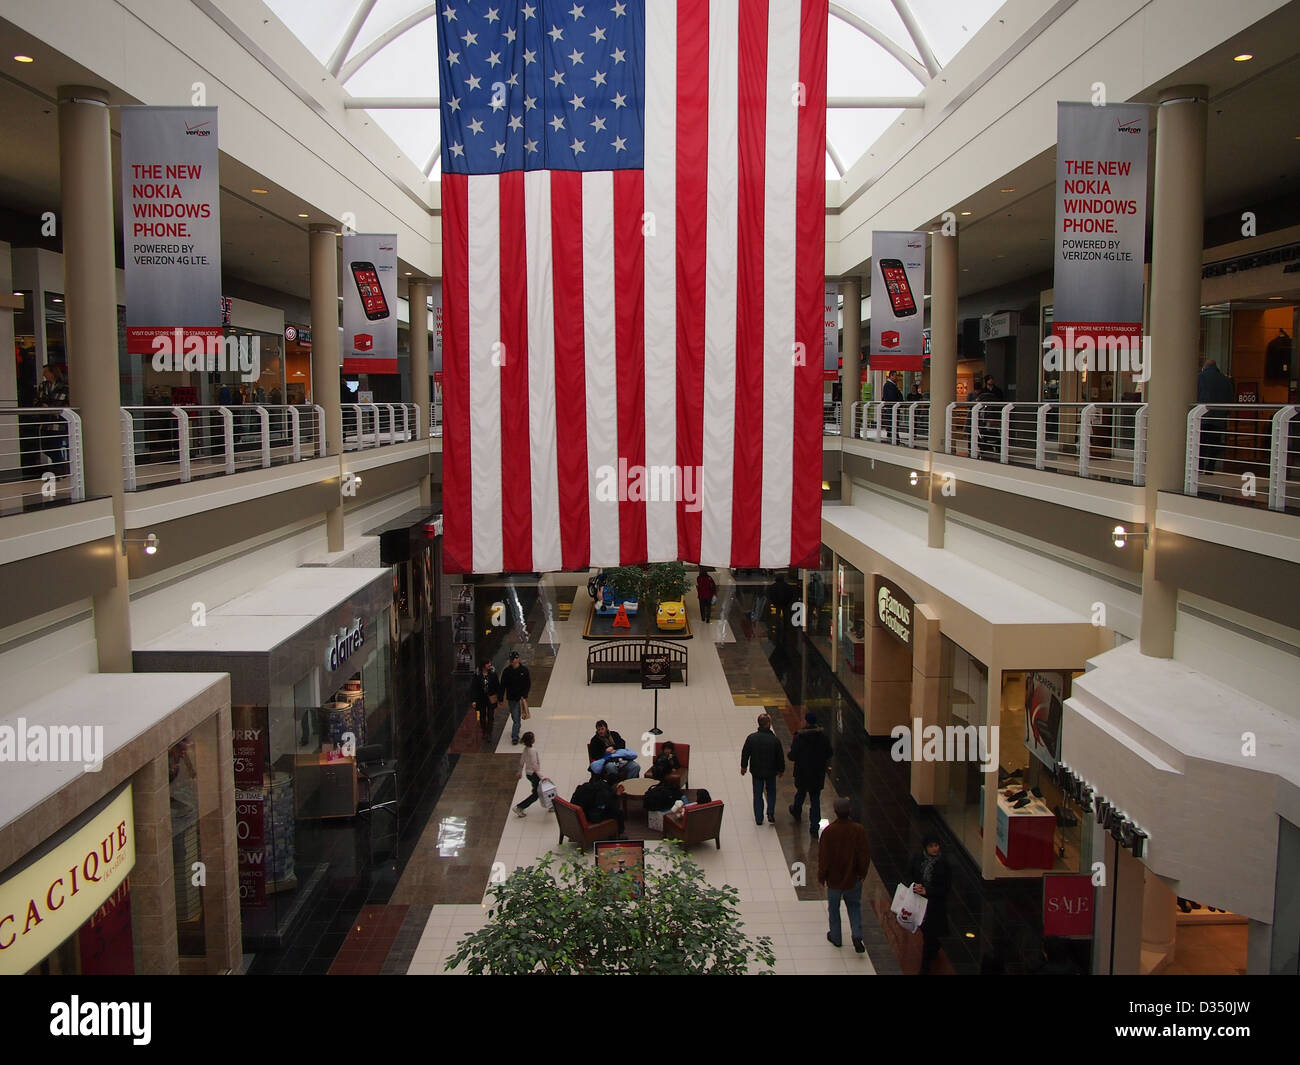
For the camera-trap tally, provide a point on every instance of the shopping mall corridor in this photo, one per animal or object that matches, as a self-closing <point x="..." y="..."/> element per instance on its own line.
<point x="406" y="913"/>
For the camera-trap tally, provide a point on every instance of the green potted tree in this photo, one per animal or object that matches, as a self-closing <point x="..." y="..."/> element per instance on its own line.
<point x="564" y="916"/>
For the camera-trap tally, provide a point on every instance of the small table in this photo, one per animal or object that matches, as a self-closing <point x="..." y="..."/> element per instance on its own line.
<point x="635" y="789"/>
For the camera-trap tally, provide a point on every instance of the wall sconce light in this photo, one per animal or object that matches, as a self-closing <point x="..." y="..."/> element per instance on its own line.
<point x="150" y="543"/>
<point x="913" y="479"/>
<point x="826" y="486"/>
<point x="1120" y="536"/>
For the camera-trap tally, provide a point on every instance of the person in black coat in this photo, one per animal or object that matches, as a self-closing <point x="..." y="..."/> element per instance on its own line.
<point x="604" y="740"/>
<point x="599" y="801"/>
<point x="484" y="694"/>
<point x="810" y="751"/>
<point x="931" y="878"/>
<point x="1212" y="387"/>
<point x="891" y="393"/>
<point x="515" y="685"/>
<point x="764" y="760"/>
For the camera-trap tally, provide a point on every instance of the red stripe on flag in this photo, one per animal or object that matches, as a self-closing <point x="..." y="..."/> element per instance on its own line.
<point x="516" y="480"/>
<point x="692" y="228"/>
<point x="810" y="280"/>
<point x="457" y="525"/>
<point x="629" y="343"/>
<point x="751" y="146"/>
<point x="570" y="369"/>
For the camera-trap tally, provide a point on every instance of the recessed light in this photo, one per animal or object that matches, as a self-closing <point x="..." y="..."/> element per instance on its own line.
<point x="259" y="192"/>
<point x="964" y="214"/>
<point x="1244" y="57"/>
<point x="303" y="214"/>
<point x="408" y="273"/>
<point x="1009" y="188"/>
<point x="24" y="59"/>
<point x="57" y="299"/>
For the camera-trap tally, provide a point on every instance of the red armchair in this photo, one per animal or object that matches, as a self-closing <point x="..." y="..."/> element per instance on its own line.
<point x="695" y="824"/>
<point x="573" y="823"/>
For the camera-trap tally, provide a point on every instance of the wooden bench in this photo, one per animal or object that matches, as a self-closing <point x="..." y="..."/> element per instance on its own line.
<point x="624" y="656"/>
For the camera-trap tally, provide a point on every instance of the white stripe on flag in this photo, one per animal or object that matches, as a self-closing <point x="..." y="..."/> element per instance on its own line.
<point x="598" y="293"/>
<point x="778" y="284"/>
<point x="720" y="285"/>
<point x="661" y="268"/>
<point x="543" y="467"/>
<point x="484" y="211"/>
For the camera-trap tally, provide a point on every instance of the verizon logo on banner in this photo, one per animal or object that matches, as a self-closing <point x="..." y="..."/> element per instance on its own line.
<point x="171" y="229"/>
<point x="1101" y="212"/>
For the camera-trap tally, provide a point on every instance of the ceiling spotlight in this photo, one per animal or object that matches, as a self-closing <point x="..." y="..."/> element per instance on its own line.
<point x="826" y="486"/>
<point x="303" y="214"/>
<point x="1243" y="58"/>
<point x="1009" y="188"/>
<point x="259" y="192"/>
<point x="24" y="59"/>
<point x="965" y="214"/>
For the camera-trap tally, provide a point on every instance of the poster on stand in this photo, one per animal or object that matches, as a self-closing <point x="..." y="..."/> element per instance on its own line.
<point x="897" y="300"/>
<point x="171" y="234"/>
<point x="369" y="290"/>
<point x="1101" y="220"/>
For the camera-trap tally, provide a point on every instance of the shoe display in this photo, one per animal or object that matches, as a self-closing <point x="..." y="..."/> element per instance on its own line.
<point x="1021" y="804"/>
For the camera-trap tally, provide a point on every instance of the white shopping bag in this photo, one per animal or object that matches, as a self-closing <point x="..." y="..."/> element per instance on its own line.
<point x="909" y="907"/>
<point x="546" y="793"/>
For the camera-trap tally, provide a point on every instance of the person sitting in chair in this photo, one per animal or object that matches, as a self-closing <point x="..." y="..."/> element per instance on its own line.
<point x="665" y="762"/>
<point x="610" y="755"/>
<point x="599" y="801"/>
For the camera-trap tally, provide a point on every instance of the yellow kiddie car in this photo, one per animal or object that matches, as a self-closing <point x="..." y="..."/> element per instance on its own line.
<point x="672" y="614"/>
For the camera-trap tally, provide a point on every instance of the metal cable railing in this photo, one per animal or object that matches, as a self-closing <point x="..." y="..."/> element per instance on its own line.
<point x="41" y="458"/>
<point x="1244" y="453"/>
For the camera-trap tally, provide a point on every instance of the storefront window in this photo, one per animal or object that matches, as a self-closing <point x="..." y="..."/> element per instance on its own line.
<point x="851" y="630"/>
<point x="959" y="783"/>
<point x="1043" y="828"/>
<point x="182" y="774"/>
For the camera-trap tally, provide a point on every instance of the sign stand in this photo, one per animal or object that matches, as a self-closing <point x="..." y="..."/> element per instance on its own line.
<point x="656" y="673"/>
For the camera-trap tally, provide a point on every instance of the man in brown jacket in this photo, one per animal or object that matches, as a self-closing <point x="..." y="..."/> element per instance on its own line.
<point x="842" y="859"/>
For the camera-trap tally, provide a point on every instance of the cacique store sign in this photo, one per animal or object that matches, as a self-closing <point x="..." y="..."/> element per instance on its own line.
<point x="345" y="644"/>
<point x="894" y="609"/>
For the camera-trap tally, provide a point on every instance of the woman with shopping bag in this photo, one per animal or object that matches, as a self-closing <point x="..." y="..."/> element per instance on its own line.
<point x="530" y="767"/>
<point x="930" y="878"/>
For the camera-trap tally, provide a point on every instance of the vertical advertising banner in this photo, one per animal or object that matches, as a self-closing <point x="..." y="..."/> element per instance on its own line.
<point x="831" y="340"/>
<point x="1044" y="692"/>
<point x="369" y="291"/>
<point x="435" y="345"/>
<point x="1101" y="217"/>
<point x="171" y="234"/>
<point x="897" y="300"/>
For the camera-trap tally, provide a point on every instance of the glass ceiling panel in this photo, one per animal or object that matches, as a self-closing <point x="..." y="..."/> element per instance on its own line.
<point x="384" y="14"/>
<point x="882" y="15"/>
<point x="949" y="24"/>
<point x="319" y="24"/>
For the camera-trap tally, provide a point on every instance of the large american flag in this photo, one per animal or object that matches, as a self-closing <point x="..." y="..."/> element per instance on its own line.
<point x="633" y="219"/>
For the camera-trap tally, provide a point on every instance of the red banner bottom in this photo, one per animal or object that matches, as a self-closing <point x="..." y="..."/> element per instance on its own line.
<point x="369" y="365"/>
<point x="140" y="339"/>
<point x="897" y="362"/>
<point x="1094" y="330"/>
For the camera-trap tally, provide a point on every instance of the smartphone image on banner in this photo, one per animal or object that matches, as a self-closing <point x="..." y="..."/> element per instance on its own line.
<point x="370" y="291"/>
<point x="900" y="292"/>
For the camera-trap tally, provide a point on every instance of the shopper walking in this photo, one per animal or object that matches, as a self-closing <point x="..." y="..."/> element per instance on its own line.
<point x="843" y="856"/>
<point x="515" y="684"/>
<point x="530" y="767"/>
<point x="484" y="694"/>
<point x="764" y="760"/>
<point x="891" y="393"/>
<point x="810" y="753"/>
<point x="781" y="596"/>
<point x="706" y="589"/>
<point x="931" y="877"/>
<point x="1212" y="387"/>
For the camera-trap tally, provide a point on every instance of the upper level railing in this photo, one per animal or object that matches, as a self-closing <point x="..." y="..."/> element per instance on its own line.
<point x="831" y="418"/>
<point x="1244" y="453"/>
<point x="40" y="458"/>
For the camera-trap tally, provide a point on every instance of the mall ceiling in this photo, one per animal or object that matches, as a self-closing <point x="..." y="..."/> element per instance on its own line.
<point x="1253" y="148"/>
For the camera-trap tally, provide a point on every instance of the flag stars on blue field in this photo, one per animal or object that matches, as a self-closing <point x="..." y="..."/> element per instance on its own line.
<point x="526" y="59"/>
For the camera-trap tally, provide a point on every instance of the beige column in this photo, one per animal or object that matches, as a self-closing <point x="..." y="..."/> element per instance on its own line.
<point x="325" y="362"/>
<point x="90" y="292"/>
<point x="851" y="371"/>
<point x="218" y="843"/>
<point x="943" y="367"/>
<point x="418" y="293"/>
<point x="929" y="779"/>
<point x="153" y="883"/>
<point x="1176" y="240"/>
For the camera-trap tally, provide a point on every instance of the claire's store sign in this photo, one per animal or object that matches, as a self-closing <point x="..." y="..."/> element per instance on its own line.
<point x="345" y="645"/>
<point x="894" y="610"/>
<point x="56" y="894"/>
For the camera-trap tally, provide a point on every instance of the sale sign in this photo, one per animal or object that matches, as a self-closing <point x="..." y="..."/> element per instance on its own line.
<point x="1101" y="212"/>
<point x="897" y="300"/>
<point x="369" y="291"/>
<point x="171" y="229"/>
<point x="1067" y="904"/>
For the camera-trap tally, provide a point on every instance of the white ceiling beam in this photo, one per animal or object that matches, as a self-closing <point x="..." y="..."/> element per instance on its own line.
<point x="849" y="102"/>
<point x="932" y="64"/>
<point x="835" y="157"/>
<point x="432" y="161"/>
<point x="884" y="40"/>
<point x="391" y="103"/>
<point x="349" y="37"/>
<point x="384" y="39"/>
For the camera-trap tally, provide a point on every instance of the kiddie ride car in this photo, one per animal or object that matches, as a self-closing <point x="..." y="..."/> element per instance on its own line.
<point x="607" y="599"/>
<point x="671" y="615"/>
